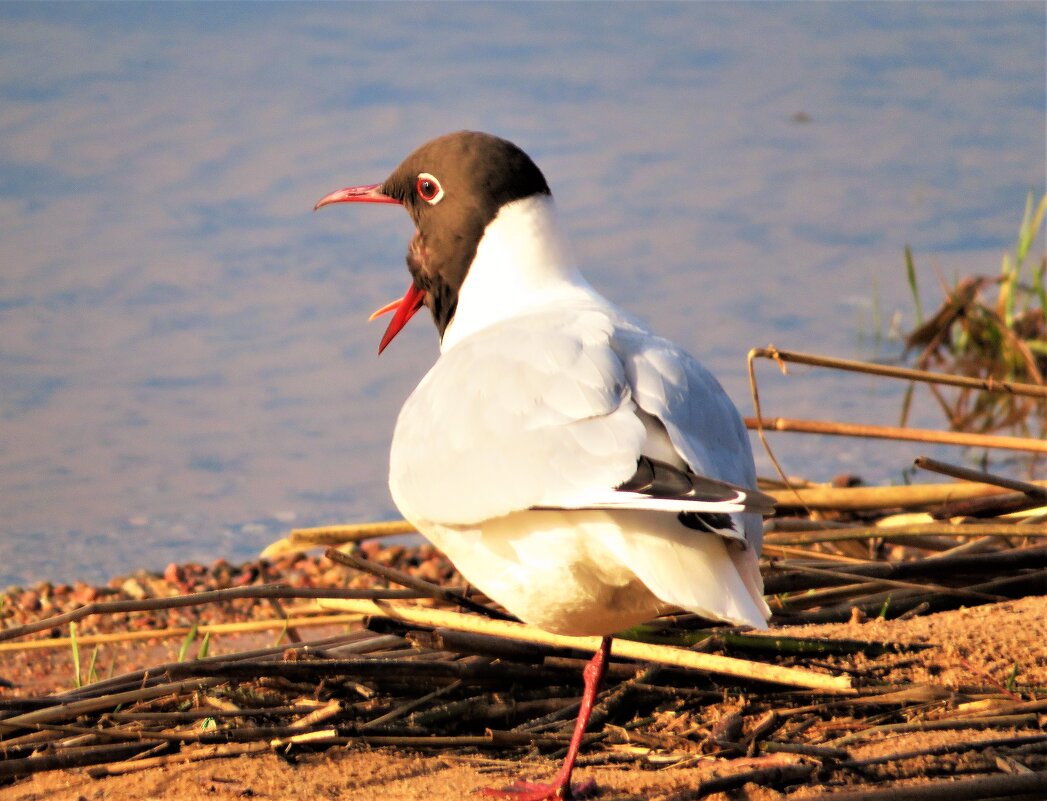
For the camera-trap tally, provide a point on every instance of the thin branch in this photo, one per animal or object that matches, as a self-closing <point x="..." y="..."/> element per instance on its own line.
<point x="196" y="599"/>
<point x="987" y="384"/>
<point x="302" y="539"/>
<point x="417" y="584"/>
<point x="917" y="530"/>
<point x="967" y="474"/>
<point x="180" y="631"/>
<point x="879" y="498"/>
<point x="868" y="431"/>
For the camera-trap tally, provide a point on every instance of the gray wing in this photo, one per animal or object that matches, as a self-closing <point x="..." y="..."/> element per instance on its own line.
<point x="534" y="411"/>
<point x="541" y="412"/>
<point x="703" y="424"/>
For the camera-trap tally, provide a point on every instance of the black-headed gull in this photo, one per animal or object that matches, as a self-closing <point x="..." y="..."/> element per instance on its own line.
<point x="579" y="470"/>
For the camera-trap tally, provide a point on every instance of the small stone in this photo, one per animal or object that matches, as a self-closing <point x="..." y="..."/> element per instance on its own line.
<point x="84" y="593"/>
<point x="134" y="589"/>
<point x="173" y="574"/>
<point x="30" y="601"/>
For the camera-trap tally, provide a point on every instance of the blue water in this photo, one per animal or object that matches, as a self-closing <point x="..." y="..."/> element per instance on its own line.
<point x="185" y="364"/>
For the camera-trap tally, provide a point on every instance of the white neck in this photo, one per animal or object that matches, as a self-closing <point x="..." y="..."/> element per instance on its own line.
<point x="523" y="262"/>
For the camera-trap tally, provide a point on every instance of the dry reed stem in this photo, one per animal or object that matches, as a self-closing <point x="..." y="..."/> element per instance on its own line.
<point x="868" y="431"/>
<point x="412" y="582"/>
<point x="984" y="787"/>
<point x="265" y="591"/>
<point x="661" y="654"/>
<point x="977" y="530"/>
<point x="771" y="771"/>
<point x="65" y="760"/>
<point x="89" y="705"/>
<point x="807" y="553"/>
<point x="354" y="642"/>
<point x="907" y="585"/>
<point x="180" y="631"/>
<point x="980" y="476"/>
<point x="302" y="539"/>
<point x="195" y="755"/>
<point x="905" y="373"/>
<point x="854" y="499"/>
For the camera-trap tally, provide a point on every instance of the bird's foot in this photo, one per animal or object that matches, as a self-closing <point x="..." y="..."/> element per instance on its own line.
<point x="538" y="791"/>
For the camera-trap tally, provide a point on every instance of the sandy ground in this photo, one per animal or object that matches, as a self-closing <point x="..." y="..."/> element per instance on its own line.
<point x="984" y="646"/>
<point x="978" y="646"/>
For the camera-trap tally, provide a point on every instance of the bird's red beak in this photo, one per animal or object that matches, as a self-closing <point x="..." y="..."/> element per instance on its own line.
<point x="405" y="308"/>
<point x="372" y="193"/>
<point x="414" y="297"/>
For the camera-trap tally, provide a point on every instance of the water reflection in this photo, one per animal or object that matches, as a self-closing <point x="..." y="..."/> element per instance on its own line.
<point x="184" y="363"/>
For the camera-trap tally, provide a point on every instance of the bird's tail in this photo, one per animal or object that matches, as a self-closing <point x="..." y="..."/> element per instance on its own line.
<point x="698" y="571"/>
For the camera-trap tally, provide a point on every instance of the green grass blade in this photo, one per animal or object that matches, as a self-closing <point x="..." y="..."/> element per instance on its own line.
<point x="1038" y="285"/>
<point x="886" y="606"/>
<point x="92" y="674"/>
<point x="76" y="654"/>
<point x="1031" y="222"/>
<point x="184" y="649"/>
<point x="910" y="272"/>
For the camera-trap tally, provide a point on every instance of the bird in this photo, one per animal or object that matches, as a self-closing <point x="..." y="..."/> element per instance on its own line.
<point x="581" y="471"/>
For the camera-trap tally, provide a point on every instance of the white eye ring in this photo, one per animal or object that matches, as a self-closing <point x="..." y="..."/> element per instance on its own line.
<point x="425" y="185"/>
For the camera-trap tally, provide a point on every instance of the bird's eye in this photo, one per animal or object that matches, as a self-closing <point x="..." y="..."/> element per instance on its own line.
<point x="429" y="189"/>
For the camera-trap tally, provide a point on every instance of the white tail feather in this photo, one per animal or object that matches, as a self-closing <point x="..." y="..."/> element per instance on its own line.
<point x="696" y="571"/>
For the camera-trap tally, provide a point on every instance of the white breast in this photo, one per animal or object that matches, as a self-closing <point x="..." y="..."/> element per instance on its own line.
<point x="523" y="263"/>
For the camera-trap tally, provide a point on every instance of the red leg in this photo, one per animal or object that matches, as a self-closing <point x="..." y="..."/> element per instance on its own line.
<point x="560" y="787"/>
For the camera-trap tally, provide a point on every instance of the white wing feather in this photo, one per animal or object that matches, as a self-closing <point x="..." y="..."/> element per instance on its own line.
<point x="562" y="425"/>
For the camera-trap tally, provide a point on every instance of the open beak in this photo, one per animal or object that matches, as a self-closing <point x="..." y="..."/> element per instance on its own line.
<point x="414" y="297"/>
<point x="405" y="308"/>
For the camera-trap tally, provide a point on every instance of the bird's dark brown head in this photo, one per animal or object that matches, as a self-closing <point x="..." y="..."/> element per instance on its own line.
<point x="452" y="187"/>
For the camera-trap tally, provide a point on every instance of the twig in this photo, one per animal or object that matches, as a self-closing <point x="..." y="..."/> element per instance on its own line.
<point x="373" y="668"/>
<point x="839" y="429"/>
<point x="984" y="787"/>
<point x="807" y="553"/>
<point x="420" y="585"/>
<point x="878" y="498"/>
<point x="948" y="748"/>
<point x="987" y="384"/>
<point x="302" y="539"/>
<point x="410" y="706"/>
<point x="70" y="759"/>
<point x="999" y="563"/>
<point x="357" y="641"/>
<point x="916" y="530"/>
<point x="195" y="755"/>
<point x="196" y="599"/>
<point x="946" y="724"/>
<point x="76" y="708"/>
<point x="776" y="773"/>
<point x="909" y="585"/>
<point x="181" y="631"/>
<point x="967" y="474"/>
<point x="905" y="600"/>
<point x="993" y="506"/>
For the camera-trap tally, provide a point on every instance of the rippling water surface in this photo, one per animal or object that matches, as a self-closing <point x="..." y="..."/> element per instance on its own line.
<point x="185" y="363"/>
